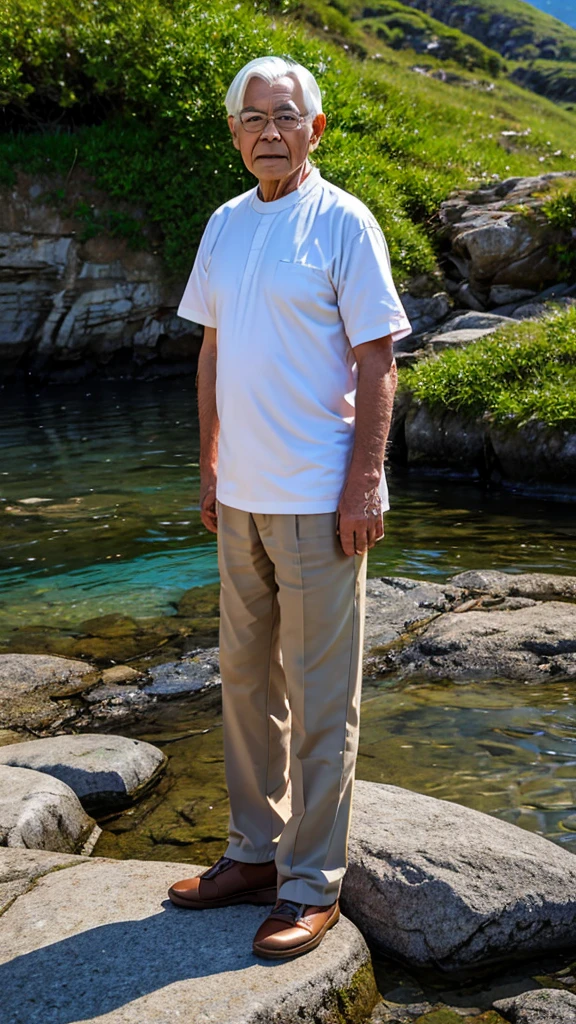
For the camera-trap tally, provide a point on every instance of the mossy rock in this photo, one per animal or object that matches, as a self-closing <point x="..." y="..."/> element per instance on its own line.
<point x="444" y="1015"/>
<point x="101" y="649"/>
<point x="353" y="1003"/>
<point x="110" y="626"/>
<point x="200" y="601"/>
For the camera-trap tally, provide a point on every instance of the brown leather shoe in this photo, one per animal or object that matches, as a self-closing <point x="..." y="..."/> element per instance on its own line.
<point x="225" y="883"/>
<point x="293" y="928"/>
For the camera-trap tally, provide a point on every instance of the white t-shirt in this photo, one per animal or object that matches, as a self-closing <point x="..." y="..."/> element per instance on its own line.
<point x="292" y="286"/>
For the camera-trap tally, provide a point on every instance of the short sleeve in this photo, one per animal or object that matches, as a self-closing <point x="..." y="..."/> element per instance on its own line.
<point x="367" y="298"/>
<point x="197" y="303"/>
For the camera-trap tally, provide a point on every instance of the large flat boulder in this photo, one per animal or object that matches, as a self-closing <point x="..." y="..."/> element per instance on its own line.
<point x="529" y="640"/>
<point x="543" y="1006"/>
<point x="20" y="868"/>
<point x="444" y="886"/>
<point x="538" y="586"/>
<point x="122" y="953"/>
<point x="41" y="813"/>
<point x="395" y="604"/>
<point x="103" y="771"/>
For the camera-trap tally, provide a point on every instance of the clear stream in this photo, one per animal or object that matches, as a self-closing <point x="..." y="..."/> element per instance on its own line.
<point x="99" y="514"/>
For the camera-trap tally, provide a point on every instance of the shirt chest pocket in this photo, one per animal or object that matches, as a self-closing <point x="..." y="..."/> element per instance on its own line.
<point x="305" y="290"/>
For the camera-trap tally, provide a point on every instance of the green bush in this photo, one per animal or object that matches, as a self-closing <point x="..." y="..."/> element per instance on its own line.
<point x="521" y="372"/>
<point x="133" y="90"/>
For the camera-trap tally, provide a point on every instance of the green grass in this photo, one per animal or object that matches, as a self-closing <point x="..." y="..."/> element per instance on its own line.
<point x="132" y="90"/>
<point x="522" y="372"/>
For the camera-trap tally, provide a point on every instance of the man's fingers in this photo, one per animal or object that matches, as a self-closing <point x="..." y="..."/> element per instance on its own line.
<point x="359" y="535"/>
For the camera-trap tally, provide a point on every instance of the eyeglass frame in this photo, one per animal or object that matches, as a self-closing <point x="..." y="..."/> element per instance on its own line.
<point x="302" y="118"/>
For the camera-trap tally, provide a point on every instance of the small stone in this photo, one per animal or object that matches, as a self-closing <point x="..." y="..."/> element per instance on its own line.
<point x="543" y="1006"/>
<point x="120" y="674"/>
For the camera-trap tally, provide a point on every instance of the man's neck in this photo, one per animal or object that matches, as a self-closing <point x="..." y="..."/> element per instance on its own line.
<point x="268" y="191"/>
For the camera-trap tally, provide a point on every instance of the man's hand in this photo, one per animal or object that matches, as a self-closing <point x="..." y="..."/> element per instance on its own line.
<point x="208" y="513"/>
<point x="360" y="522"/>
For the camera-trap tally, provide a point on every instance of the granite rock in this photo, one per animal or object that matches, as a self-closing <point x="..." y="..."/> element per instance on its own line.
<point x="41" y="813"/>
<point x="441" y="885"/>
<point x="543" y="1006"/>
<point x="103" y="771"/>
<point x="122" y="952"/>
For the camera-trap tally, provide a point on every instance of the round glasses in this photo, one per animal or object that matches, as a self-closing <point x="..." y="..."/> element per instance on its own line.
<point x="285" y="120"/>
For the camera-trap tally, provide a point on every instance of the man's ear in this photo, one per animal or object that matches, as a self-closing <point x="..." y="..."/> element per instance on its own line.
<point x="318" y="126"/>
<point x="232" y="127"/>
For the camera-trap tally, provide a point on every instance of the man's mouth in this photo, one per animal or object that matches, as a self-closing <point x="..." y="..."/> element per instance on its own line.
<point x="270" y="156"/>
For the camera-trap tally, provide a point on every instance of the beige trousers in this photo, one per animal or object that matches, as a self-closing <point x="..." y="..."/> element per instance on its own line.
<point x="291" y="636"/>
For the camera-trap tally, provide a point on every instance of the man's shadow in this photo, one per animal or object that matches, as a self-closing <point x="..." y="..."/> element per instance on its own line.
<point x="102" y="969"/>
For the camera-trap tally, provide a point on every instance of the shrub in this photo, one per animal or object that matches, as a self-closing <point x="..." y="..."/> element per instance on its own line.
<point x="524" y="371"/>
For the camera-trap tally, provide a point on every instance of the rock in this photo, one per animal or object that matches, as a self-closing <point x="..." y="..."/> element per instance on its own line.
<point x="123" y="952"/>
<point x="532" y="642"/>
<point x="120" y="674"/>
<point x="540" y="586"/>
<point x="440" y="885"/>
<point x="501" y="294"/>
<point x="531" y="457"/>
<point x="189" y="675"/>
<point x="28" y="681"/>
<point x="440" y="438"/>
<point x="425" y="311"/>
<point x="69" y="306"/>
<point x="481" y="322"/>
<point x="395" y="604"/>
<point x="41" y="813"/>
<point x="456" y="339"/>
<point x="537" y="455"/>
<point x="103" y="771"/>
<point x="495" y="245"/>
<point x="20" y="868"/>
<point x="543" y="1006"/>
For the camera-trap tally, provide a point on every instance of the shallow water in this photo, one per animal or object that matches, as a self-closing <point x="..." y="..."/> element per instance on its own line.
<point x="99" y="510"/>
<point x="507" y="749"/>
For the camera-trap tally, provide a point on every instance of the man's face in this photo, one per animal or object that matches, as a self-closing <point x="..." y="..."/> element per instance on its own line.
<point x="274" y="154"/>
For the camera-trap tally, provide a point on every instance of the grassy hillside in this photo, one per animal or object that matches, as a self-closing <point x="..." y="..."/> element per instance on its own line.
<point x="521" y="34"/>
<point x="132" y="90"/>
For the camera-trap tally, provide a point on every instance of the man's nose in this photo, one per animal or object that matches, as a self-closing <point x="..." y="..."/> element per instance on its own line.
<point x="270" y="130"/>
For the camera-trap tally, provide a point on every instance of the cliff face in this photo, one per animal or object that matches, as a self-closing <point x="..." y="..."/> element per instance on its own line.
<point x="71" y="305"/>
<point x="505" y="33"/>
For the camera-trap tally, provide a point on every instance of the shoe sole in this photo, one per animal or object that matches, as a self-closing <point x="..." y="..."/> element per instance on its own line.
<point x="257" y="896"/>
<point x="275" y="954"/>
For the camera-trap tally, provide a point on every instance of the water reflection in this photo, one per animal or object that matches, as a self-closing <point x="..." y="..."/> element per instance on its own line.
<point x="508" y="749"/>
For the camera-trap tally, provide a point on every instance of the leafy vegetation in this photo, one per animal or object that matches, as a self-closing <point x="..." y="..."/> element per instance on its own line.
<point x="524" y="371"/>
<point x="560" y="210"/>
<point x="132" y="91"/>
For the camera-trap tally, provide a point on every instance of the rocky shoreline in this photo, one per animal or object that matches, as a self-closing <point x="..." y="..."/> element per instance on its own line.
<point x="433" y="884"/>
<point x="477" y="625"/>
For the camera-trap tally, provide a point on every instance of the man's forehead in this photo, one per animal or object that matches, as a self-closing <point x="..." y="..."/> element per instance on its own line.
<point x="286" y="90"/>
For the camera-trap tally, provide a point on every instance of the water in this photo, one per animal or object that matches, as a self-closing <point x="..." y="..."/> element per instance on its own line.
<point x="99" y="514"/>
<point x="99" y="490"/>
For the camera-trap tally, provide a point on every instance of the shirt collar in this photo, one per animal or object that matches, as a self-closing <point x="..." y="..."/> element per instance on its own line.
<point x="277" y="205"/>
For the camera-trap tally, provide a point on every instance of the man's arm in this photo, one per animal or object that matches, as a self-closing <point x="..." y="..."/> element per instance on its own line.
<point x="360" y="522"/>
<point x="209" y="429"/>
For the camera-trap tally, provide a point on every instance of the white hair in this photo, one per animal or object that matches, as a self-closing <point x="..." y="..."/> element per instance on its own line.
<point x="271" y="69"/>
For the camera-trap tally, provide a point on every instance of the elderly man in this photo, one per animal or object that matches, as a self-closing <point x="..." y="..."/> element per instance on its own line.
<point x="296" y="380"/>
